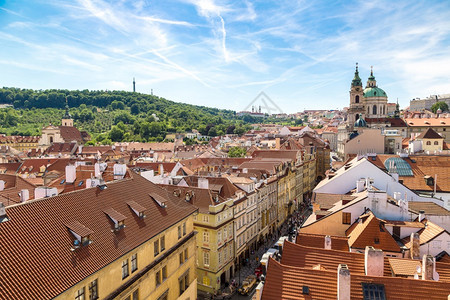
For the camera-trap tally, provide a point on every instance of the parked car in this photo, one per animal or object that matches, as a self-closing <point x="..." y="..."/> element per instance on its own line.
<point x="247" y="285"/>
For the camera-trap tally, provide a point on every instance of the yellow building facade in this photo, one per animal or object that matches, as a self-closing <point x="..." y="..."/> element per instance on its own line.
<point x="162" y="268"/>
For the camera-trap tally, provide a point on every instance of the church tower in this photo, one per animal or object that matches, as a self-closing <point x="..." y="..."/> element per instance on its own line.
<point x="356" y="99"/>
<point x="67" y="118"/>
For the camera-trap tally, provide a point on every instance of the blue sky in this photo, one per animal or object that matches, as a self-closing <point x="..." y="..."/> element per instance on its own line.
<point x="215" y="53"/>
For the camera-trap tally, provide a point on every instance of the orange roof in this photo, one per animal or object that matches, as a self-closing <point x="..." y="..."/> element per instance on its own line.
<point x="429" y="134"/>
<point x="407" y="267"/>
<point x="318" y="241"/>
<point x="287" y="282"/>
<point x="45" y="237"/>
<point x="426" y="234"/>
<point x="307" y="257"/>
<point x="423" y="122"/>
<point x="369" y="231"/>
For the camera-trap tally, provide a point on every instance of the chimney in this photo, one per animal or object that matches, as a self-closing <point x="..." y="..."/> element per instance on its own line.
<point x="373" y="261"/>
<point x="427" y="267"/>
<point x="161" y="169"/>
<point x="2" y="185"/>
<point x="277" y="143"/>
<point x="360" y="185"/>
<point x="343" y="284"/>
<point x="71" y="173"/>
<point x="327" y="242"/>
<point x="43" y="192"/>
<point x="415" y="246"/>
<point x="119" y="171"/>
<point x="97" y="172"/>
<point x="80" y="149"/>
<point x="24" y="195"/>
<point x="421" y="215"/>
<point x="203" y="183"/>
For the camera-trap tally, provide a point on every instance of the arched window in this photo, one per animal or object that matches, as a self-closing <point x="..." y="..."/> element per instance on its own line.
<point x="436" y="142"/>
<point x="51" y="140"/>
<point x="357" y="99"/>
<point x="356" y="117"/>
<point x="428" y="143"/>
<point x="374" y="109"/>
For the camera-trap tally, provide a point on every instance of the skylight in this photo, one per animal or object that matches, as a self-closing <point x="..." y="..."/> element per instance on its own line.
<point x="398" y="165"/>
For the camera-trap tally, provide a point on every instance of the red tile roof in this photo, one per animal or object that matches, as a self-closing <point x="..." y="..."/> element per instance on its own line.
<point x="286" y="282"/>
<point x="70" y="133"/>
<point x="429" y="134"/>
<point x="318" y="241"/>
<point x="45" y="238"/>
<point x="369" y="231"/>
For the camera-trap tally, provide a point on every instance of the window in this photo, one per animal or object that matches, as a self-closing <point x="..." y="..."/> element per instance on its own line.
<point x="346" y="218"/>
<point x="206" y="258"/>
<point x="179" y="232"/>
<point x="373" y="291"/>
<point x="376" y="240"/>
<point x="136" y="295"/>
<point x="428" y="143"/>
<point x="158" y="278"/>
<point x="181" y="258"/>
<point x="186" y="256"/>
<point x="125" y="272"/>
<point x="156" y="247"/>
<point x="206" y="237"/>
<point x="436" y="142"/>
<point x="162" y="243"/>
<point x="219" y="236"/>
<point x="164" y="295"/>
<point x="184" y="229"/>
<point x="164" y="273"/>
<point x="133" y="263"/>
<point x="220" y="257"/>
<point x="225" y="233"/>
<point x="93" y="290"/>
<point x="205" y="218"/>
<point x="80" y="294"/>
<point x="183" y="282"/>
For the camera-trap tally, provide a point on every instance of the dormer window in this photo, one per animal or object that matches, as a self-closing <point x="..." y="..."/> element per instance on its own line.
<point x="117" y="218"/>
<point x="138" y="209"/>
<point x="161" y="201"/>
<point x="81" y="233"/>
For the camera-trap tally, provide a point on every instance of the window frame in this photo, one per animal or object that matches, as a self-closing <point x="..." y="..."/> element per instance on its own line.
<point x="125" y="267"/>
<point x="156" y="247"/>
<point x="134" y="263"/>
<point x="93" y="289"/>
<point x="81" y="294"/>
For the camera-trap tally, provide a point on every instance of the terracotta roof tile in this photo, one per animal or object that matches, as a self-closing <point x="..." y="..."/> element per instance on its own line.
<point x="318" y="241"/>
<point x="369" y="231"/>
<point x="286" y="282"/>
<point x="429" y="134"/>
<point x="426" y="234"/>
<point x="429" y="208"/>
<point x="44" y="237"/>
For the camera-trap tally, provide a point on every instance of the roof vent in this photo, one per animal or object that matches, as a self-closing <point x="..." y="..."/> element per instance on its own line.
<point x="305" y="290"/>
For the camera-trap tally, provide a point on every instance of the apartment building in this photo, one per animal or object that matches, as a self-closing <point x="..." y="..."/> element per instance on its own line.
<point x="119" y="240"/>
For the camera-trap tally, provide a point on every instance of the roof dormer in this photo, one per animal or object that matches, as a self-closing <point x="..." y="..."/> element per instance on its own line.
<point x="138" y="209"/>
<point x="81" y="233"/>
<point x="116" y="217"/>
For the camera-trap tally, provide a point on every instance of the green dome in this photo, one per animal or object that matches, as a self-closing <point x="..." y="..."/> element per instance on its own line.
<point x="360" y="122"/>
<point x="374" y="92"/>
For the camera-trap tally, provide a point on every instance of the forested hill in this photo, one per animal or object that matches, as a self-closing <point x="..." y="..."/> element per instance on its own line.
<point x="113" y="115"/>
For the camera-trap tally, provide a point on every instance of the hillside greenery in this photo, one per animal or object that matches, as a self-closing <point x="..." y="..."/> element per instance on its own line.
<point x="110" y="116"/>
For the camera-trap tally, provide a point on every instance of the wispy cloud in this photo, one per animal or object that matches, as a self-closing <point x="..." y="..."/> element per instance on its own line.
<point x="198" y="50"/>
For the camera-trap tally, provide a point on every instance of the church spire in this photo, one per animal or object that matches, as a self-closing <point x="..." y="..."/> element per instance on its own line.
<point x="67" y="114"/>
<point x="356" y="80"/>
<point x="371" y="82"/>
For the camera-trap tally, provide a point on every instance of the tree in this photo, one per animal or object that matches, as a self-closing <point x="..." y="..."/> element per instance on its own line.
<point x="439" y="105"/>
<point x="212" y="131"/>
<point x="237" y="152"/>
<point x="116" y="134"/>
<point x="135" y="110"/>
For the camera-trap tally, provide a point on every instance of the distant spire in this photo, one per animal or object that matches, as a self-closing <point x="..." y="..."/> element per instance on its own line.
<point x="67" y="115"/>
<point x="134" y="86"/>
<point x="371" y="70"/>
<point x="356" y="80"/>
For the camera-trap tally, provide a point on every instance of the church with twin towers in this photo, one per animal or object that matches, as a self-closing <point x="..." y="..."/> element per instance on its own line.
<point x="369" y="102"/>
